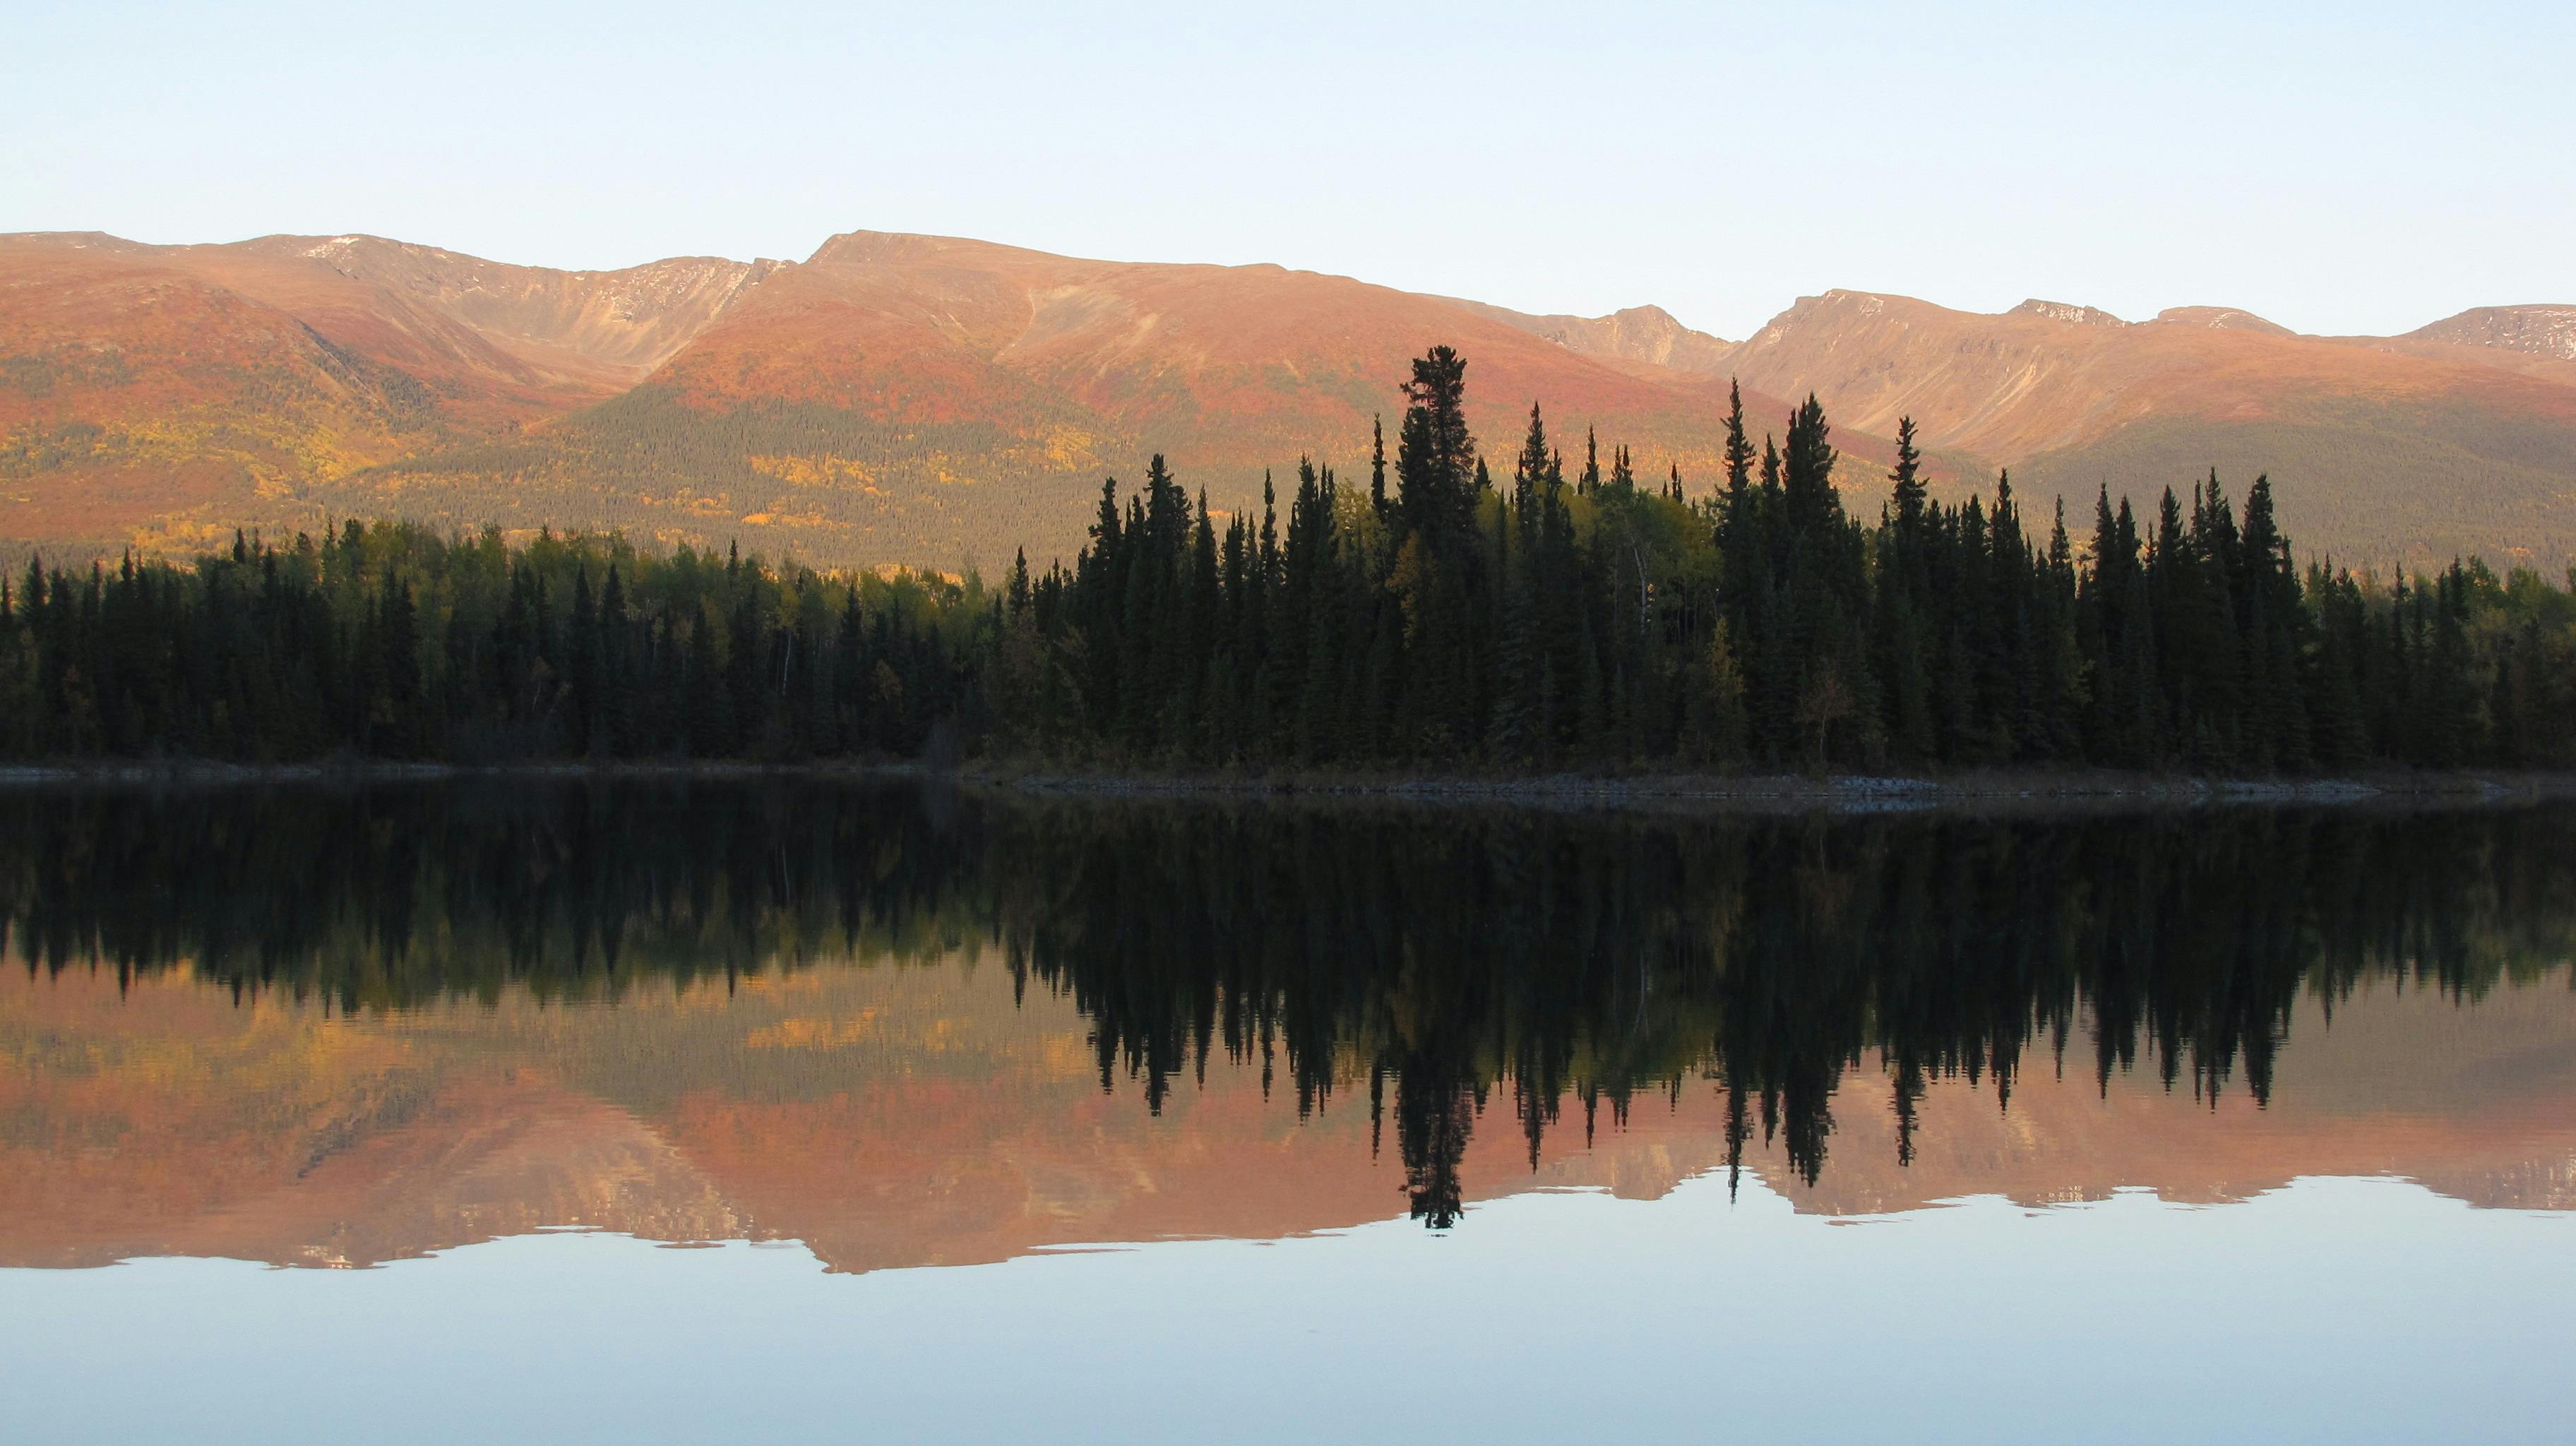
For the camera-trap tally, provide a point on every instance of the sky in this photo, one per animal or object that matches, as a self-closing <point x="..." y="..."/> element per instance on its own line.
<point x="2338" y="168"/>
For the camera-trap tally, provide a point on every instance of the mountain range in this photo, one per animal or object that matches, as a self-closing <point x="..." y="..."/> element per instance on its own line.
<point x="902" y="398"/>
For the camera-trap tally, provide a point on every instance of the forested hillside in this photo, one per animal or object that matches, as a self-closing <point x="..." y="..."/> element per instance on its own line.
<point x="1567" y="612"/>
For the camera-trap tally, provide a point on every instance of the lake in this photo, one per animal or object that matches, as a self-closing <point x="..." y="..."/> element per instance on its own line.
<point x="783" y="1108"/>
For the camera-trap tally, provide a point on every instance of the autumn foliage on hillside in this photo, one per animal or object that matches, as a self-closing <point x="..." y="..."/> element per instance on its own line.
<point x="937" y="401"/>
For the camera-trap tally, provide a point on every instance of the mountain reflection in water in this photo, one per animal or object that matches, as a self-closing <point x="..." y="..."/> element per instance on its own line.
<point x="908" y="1026"/>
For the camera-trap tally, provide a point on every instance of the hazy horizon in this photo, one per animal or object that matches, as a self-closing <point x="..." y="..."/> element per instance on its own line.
<point x="2360" y="172"/>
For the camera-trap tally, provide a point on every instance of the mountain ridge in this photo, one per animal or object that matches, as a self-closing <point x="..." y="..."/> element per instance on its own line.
<point x="2542" y="330"/>
<point x="906" y="397"/>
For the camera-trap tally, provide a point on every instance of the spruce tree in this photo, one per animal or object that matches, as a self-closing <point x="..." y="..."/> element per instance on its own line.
<point x="1436" y="454"/>
<point x="1377" y="463"/>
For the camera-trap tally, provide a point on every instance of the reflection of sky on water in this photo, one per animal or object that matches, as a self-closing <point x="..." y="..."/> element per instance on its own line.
<point x="2334" y="1309"/>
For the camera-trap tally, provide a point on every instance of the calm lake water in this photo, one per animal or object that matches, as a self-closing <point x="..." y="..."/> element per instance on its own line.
<point x="783" y="1110"/>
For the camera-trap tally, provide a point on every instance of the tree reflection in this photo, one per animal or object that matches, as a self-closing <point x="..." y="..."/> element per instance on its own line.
<point x="1446" y="961"/>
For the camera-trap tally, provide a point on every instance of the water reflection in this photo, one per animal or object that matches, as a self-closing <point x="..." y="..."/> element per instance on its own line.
<point x="379" y="1021"/>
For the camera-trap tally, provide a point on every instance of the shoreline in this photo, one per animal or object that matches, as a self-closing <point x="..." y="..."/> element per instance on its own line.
<point x="1840" y="792"/>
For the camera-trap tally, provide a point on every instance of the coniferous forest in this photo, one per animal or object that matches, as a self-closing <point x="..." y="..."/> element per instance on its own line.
<point x="1453" y="611"/>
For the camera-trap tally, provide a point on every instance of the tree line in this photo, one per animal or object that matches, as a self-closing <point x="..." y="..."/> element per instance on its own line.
<point x="1441" y="616"/>
<point x="386" y="640"/>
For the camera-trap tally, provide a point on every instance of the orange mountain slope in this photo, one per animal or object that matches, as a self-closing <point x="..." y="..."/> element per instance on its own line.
<point x="916" y="398"/>
<point x="1638" y="334"/>
<point x="2546" y="331"/>
<point x="2379" y="453"/>
<point x="165" y="394"/>
<point x="919" y="397"/>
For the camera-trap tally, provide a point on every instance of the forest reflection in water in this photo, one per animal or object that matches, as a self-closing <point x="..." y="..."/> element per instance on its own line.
<point x="1447" y="974"/>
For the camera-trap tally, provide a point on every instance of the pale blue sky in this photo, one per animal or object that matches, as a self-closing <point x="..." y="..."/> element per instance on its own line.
<point x="2338" y="168"/>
